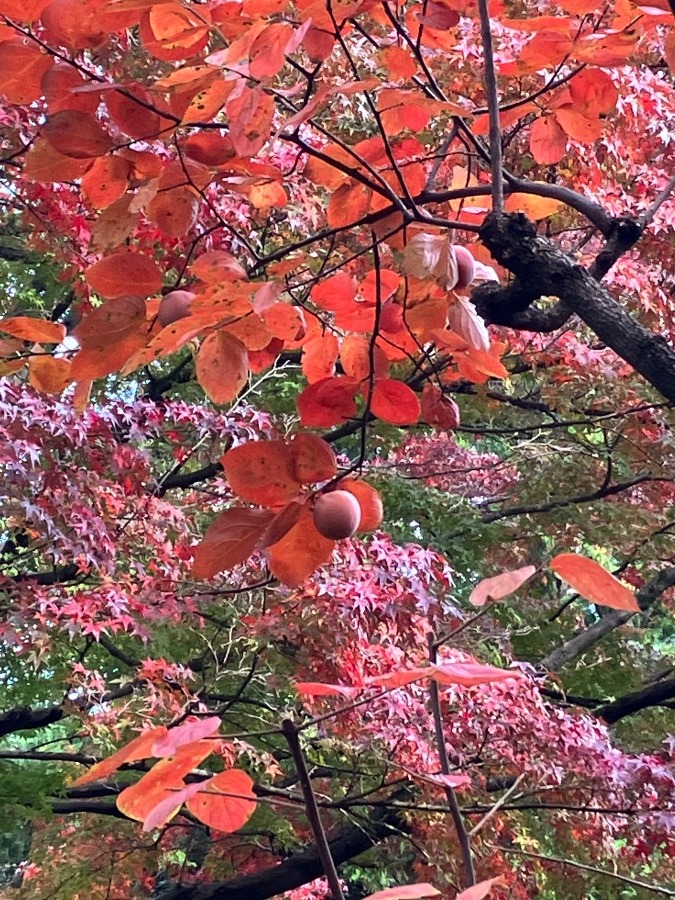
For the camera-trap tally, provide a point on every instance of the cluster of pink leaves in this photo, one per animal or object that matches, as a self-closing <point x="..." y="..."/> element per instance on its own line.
<point x="376" y="620"/>
<point x="82" y="487"/>
<point x="440" y="462"/>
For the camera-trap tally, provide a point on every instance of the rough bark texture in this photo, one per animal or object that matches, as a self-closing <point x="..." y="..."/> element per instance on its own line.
<point x="541" y="269"/>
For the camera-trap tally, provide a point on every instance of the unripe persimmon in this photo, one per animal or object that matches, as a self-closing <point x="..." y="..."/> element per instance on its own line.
<point x="337" y="514"/>
<point x="175" y="305"/>
<point x="466" y="266"/>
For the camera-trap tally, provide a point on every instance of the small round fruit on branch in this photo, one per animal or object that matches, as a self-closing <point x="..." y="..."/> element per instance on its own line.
<point x="336" y="514"/>
<point x="175" y="305"/>
<point x="466" y="266"/>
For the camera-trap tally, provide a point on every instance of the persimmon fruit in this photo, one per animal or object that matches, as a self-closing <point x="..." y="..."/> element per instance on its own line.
<point x="337" y="515"/>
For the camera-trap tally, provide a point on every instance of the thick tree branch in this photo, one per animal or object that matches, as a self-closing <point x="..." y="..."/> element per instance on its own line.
<point x="657" y="694"/>
<point x="543" y="270"/>
<point x="584" y="640"/>
<point x="300" y="868"/>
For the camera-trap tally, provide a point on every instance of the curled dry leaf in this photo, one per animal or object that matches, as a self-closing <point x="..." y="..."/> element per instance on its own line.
<point x="500" y="586"/>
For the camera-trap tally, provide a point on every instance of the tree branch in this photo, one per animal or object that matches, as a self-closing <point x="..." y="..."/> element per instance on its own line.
<point x="300" y="868"/>
<point x="653" y="695"/>
<point x="584" y="640"/>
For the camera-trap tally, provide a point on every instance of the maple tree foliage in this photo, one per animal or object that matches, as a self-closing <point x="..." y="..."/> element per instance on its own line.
<point x="337" y="473"/>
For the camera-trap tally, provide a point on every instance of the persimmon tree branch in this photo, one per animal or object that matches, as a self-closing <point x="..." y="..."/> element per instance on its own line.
<point x="490" y="81"/>
<point x="543" y="270"/>
<point x="657" y="694"/>
<point x="344" y="844"/>
<point x="292" y="736"/>
<point x="583" y="641"/>
<point x="451" y="797"/>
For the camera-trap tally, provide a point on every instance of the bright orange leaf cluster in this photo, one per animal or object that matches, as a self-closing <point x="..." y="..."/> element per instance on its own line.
<point x="275" y="475"/>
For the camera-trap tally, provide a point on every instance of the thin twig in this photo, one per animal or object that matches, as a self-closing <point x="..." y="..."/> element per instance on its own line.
<point x="497" y="806"/>
<point x="490" y="81"/>
<point x="451" y="797"/>
<point x="292" y="735"/>
<point x="596" y="871"/>
<point x="648" y="215"/>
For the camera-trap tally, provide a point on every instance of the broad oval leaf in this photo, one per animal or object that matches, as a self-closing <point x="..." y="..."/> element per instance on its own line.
<point x="327" y="402"/>
<point x="372" y="511"/>
<point x="225" y="802"/>
<point x="593" y="582"/>
<point x="139" y="799"/>
<point x="124" y="274"/>
<point x="77" y="134"/>
<point x="261" y="472"/>
<point x="229" y="540"/>
<point x="312" y="459"/>
<point x="480" y="890"/>
<point x="300" y="552"/>
<point x="395" y="402"/>
<point x="499" y="586"/>
<point x="222" y="366"/>
<point x="38" y="331"/>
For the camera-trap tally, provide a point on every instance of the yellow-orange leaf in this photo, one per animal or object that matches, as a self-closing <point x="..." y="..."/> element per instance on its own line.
<point x="225" y="802"/>
<point x="593" y="582"/>
<point x="29" y="329"/>
<point x="139" y="748"/>
<point x="222" y="366"/>
<point x="300" y="552"/>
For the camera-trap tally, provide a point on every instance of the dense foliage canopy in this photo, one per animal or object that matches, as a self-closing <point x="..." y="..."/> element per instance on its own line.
<point x="337" y="385"/>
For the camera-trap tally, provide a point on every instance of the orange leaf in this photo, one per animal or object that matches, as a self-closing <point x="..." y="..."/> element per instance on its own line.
<point x="388" y="285"/>
<point x="44" y="163"/>
<point x="398" y="679"/>
<point x="548" y="142"/>
<point x="229" y="540"/>
<point x="478" y="366"/>
<point x="349" y="203"/>
<point x="124" y="274"/>
<point x="105" y="181"/>
<point x="593" y="91"/>
<point x="394" y="402"/>
<point x="49" y="375"/>
<point x="216" y="266"/>
<point x="300" y="552"/>
<point x="534" y="207"/>
<point x="284" y="321"/>
<point x="355" y="356"/>
<point x="174" y="211"/>
<point x="132" y="117"/>
<point x="139" y="748"/>
<point x="222" y="366"/>
<point x="335" y="292"/>
<point x="76" y="134"/>
<point x="370" y="502"/>
<point x="500" y="586"/>
<point x="577" y="126"/>
<point x="29" y="329"/>
<point x="22" y="68"/>
<point x="319" y="355"/>
<point x="268" y="51"/>
<point x="261" y="472"/>
<point x="317" y="689"/>
<point x="225" y="802"/>
<point x="57" y="86"/>
<point x="139" y="799"/>
<point x="250" y="112"/>
<point x="469" y="674"/>
<point x="593" y="582"/>
<point x="312" y="459"/>
<point x="480" y="890"/>
<point x="327" y="402"/>
<point x="409" y="891"/>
